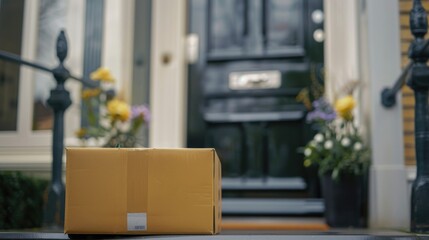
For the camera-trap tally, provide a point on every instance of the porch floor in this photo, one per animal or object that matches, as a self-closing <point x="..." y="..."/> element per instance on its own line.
<point x="238" y="228"/>
<point x="238" y="235"/>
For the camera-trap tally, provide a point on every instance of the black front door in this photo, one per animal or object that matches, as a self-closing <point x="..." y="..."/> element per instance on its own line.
<point x="255" y="56"/>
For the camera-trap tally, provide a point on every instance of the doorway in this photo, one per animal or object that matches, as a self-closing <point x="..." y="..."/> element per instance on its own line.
<point x="254" y="57"/>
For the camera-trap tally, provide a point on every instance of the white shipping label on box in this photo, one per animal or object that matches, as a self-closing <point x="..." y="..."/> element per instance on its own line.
<point x="137" y="221"/>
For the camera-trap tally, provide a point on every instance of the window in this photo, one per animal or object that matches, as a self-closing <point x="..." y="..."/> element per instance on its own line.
<point x="51" y="19"/>
<point x="29" y="28"/>
<point x="11" y="16"/>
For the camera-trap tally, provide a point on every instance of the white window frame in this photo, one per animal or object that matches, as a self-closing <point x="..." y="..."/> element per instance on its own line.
<point x="117" y="51"/>
<point x="25" y="145"/>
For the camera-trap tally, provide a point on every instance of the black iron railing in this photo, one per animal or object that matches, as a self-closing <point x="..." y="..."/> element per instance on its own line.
<point x="416" y="76"/>
<point x="59" y="101"/>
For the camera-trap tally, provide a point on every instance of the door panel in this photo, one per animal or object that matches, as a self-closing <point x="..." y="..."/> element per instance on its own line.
<point x="254" y="149"/>
<point x="228" y="142"/>
<point x="283" y="142"/>
<point x="226" y="28"/>
<point x="284" y="26"/>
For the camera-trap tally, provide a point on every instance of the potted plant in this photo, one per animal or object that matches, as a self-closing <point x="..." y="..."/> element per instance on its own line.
<point x="111" y="121"/>
<point x="342" y="158"/>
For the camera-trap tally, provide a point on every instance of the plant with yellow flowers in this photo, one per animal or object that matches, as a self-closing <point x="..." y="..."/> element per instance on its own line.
<point x="338" y="147"/>
<point x="110" y="119"/>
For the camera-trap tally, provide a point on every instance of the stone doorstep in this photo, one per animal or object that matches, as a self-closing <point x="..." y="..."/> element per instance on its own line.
<point x="273" y="223"/>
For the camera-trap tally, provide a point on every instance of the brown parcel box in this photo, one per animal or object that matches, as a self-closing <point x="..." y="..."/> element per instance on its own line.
<point x="142" y="191"/>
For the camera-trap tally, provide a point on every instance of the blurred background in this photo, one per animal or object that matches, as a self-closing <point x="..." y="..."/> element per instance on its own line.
<point x="225" y="74"/>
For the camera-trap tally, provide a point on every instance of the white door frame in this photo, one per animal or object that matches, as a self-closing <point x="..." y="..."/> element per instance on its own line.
<point x="168" y="80"/>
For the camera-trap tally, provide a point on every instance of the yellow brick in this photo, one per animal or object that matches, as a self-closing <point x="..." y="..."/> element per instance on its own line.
<point x="408" y="100"/>
<point x="410" y="161"/>
<point x="408" y="126"/>
<point x="408" y="113"/>
<point x="410" y="153"/>
<point x="405" y="6"/>
<point x="409" y="138"/>
<point x="404" y="61"/>
<point x="407" y="91"/>
<point x="406" y="34"/>
<point x="404" y="47"/>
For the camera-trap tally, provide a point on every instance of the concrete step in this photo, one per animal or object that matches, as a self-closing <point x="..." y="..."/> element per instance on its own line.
<point x="267" y="206"/>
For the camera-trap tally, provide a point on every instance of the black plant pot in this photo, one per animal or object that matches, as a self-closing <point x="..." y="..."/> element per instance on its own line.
<point x="343" y="200"/>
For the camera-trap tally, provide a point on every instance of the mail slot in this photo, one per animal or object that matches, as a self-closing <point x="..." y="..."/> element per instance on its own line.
<point x="254" y="80"/>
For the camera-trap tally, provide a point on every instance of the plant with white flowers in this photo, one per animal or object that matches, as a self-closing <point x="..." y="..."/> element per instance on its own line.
<point x="338" y="148"/>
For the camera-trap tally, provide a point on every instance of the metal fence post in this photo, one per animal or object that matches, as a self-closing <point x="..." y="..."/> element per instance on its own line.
<point x="416" y="75"/>
<point x="419" y="82"/>
<point x="59" y="100"/>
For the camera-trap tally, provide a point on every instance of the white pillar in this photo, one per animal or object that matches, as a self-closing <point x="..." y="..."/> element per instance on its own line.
<point x="75" y="31"/>
<point x="168" y="82"/>
<point x="362" y="43"/>
<point x="341" y="45"/>
<point x="118" y="37"/>
<point x="389" y="204"/>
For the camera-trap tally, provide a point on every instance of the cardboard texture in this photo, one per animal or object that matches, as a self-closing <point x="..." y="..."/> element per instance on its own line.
<point x="142" y="191"/>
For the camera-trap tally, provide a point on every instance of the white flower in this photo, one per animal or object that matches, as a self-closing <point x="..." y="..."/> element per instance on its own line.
<point x="123" y="126"/>
<point x="104" y="122"/>
<point x="318" y="138"/>
<point x="94" y="142"/>
<point x="357" y="146"/>
<point x="345" y="142"/>
<point x="328" y="144"/>
<point x="307" y="152"/>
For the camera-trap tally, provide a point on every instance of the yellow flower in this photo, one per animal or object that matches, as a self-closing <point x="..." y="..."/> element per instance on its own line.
<point x="80" y="133"/>
<point x="89" y="93"/>
<point x="307" y="163"/>
<point x="344" y="107"/>
<point x="102" y="74"/>
<point x="118" y="109"/>
<point x="303" y="96"/>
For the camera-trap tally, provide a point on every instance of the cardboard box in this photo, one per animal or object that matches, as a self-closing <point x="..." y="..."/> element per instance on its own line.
<point x="142" y="191"/>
